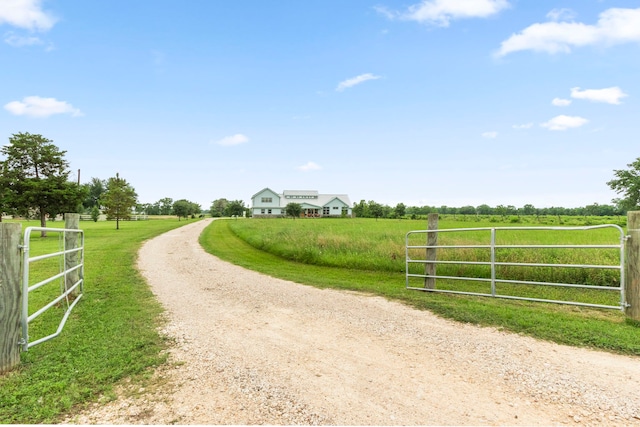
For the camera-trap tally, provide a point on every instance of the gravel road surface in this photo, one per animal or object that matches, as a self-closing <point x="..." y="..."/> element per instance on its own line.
<point x="251" y="349"/>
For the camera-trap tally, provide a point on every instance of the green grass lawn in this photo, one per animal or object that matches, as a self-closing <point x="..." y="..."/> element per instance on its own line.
<point x="111" y="334"/>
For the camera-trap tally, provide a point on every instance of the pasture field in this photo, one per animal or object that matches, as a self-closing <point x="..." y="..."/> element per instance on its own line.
<point x="111" y="334"/>
<point x="368" y="255"/>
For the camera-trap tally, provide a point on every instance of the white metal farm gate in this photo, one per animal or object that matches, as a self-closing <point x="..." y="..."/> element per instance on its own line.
<point x="419" y="254"/>
<point x="70" y="277"/>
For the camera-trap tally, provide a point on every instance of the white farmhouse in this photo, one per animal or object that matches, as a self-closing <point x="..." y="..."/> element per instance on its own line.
<point x="268" y="204"/>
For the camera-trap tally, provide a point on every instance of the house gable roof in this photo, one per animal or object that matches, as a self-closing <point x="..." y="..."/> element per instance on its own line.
<point x="340" y="198"/>
<point x="262" y="191"/>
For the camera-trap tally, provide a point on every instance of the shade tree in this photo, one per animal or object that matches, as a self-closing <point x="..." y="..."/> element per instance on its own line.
<point x="627" y="184"/>
<point x="119" y="199"/>
<point x="35" y="179"/>
<point x="293" y="209"/>
<point x="184" y="208"/>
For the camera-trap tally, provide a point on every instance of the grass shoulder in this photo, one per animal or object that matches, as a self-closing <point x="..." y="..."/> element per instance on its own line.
<point x="112" y="334"/>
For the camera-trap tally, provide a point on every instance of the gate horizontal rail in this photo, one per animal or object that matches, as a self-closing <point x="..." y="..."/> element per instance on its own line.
<point x="493" y="247"/>
<point x="67" y="291"/>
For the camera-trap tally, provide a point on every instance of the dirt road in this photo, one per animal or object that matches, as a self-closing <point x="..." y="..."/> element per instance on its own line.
<point x="251" y="349"/>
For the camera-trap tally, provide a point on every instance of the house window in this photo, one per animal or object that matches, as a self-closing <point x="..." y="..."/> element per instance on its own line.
<point x="325" y="210"/>
<point x="269" y="211"/>
<point x="335" y="207"/>
<point x="262" y="211"/>
<point x="267" y="200"/>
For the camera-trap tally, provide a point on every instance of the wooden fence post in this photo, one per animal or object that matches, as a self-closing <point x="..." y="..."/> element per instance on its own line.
<point x="432" y="240"/>
<point x="632" y="266"/>
<point x="10" y="296"/>
<point x="72" y="222"/>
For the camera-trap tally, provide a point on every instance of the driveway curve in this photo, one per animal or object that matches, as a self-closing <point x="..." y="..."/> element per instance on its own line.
<point x="252" y="349"/>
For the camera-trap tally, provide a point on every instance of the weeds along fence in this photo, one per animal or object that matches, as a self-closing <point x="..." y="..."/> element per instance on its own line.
<point x="28" y="284"/>
<point x="594" y="266"/>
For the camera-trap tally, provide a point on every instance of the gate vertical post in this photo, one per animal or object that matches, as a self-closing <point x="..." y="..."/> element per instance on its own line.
<point x="71" y="222"/>
<point x="432" y="240"/>
<point x="632" y="266"/>
<point x="10" y="296"/>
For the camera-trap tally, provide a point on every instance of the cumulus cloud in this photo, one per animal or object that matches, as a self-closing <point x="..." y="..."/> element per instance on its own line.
<point x="236" y="139"/>
<point x="490" y="135"/>
<point x="614" y="26"/>
<point x="355" y="81"/>
<point x="610" y="95"/>
<point x="309" y="166"/>
<point x="35" y="106"/>
<point x="563" y="122"/>
<point x="559" y="102"/>
<point x="26" y="14"/>
<point x="442" y="12"/>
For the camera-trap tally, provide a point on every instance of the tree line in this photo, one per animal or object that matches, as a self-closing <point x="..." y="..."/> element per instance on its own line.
<point x="373" y="209"/>
<point x="97" y="189"/>
<point x="34" y="183"/>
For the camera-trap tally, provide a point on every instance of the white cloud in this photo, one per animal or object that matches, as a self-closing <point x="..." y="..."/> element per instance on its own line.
<point x="523" y="126"/>
<point x="310" y="166"/>
<point x="610" y="95"/>
<point x="563" y="122"/>
<point x="355" y="81"/>
<point x="559" y="102"/>
<point x="236" y="139"/>
<point x="19" y="41"/>
<point x="441" y="12"/>
<point x="35" y="106"/>
<point x="563" y="14"/>
<point x="614" y="26"/>
<point x="490" y="135"/>
<point x="27" y="14"/>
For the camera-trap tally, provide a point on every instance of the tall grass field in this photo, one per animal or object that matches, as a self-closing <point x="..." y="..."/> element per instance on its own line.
<point x="368" y="255"/>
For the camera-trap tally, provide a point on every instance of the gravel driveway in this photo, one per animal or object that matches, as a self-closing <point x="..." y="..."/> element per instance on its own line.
<point x="251" y="349"/>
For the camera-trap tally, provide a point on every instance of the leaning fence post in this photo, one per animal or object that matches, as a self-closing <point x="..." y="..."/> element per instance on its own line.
<point x="10" y="296"/>
<point x="432" y="240"/>
<point x="632" y="266"/>
<point x="71" y="222"/>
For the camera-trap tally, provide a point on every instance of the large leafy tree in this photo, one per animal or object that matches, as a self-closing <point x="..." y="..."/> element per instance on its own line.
<point x="235" y="208"/>
<point x="400" y="210"/>
<point x="35" y="178"/>
<point x="184" y="208"/>
<point x="94" y="191"/>
<point x="119" y="199"/>
<point x="293" y="210"/>
<point x="165" y="205"/>
<point x="218" y="207"/>
<point x="627" y="183"/>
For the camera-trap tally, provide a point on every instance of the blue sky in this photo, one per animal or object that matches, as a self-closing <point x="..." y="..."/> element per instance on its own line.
<point x="433" y="102"/>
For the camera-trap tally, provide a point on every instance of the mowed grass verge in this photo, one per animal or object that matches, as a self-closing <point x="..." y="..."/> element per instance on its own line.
<point x="111" y="335"/>
<point x="229" y="239"/>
